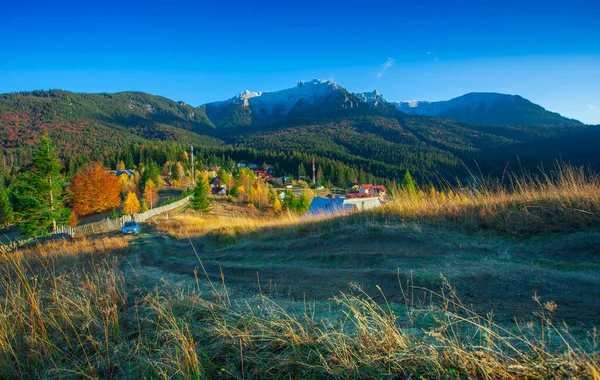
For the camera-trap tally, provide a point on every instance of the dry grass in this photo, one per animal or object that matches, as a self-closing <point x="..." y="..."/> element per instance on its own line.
<point x="68" y="308"/>
<point x="83" y="318"/>
<point x="193" y="225"/>
<point x="59" y="309"/>
<point x="566" y="198"/>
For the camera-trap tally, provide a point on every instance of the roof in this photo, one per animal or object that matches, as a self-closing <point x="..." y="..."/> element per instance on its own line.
<point x="379" y="187"/>
<point x="118" y="173"/>
<point x="366" y="186"/>
<point x="329" y="206"/>
<point x="216" y="180"/>
<point x="360" y="195"/>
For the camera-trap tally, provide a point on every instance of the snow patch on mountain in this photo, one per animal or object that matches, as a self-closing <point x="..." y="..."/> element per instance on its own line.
<point x="305" y="95"/>
<point x="372" y="98"/>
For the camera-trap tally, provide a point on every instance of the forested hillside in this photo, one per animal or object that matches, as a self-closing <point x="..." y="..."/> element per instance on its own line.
<point x="91" y="123"/>
<point x="349" y="141"/>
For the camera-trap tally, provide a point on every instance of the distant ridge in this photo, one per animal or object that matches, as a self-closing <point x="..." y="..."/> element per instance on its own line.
<point x="488" y="108"/>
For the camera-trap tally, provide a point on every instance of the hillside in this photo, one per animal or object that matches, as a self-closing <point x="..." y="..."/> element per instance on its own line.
<point x="362" y="132"/>
<point x="86" y="122"/>
<point x="487" y="108"/>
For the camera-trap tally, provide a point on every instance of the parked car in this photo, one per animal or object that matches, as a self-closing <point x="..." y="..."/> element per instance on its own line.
<point x="130" y="228"/>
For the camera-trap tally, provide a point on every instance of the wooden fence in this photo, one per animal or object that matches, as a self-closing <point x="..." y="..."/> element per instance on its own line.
<point x="104" y="225"/>
<point x="107" y="224"/>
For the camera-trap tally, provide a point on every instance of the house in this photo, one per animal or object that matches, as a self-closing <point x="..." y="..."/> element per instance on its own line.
<point x="118" y="173"/>
<point x="380" y="191"/>
<point x="365" y="188"/>
<point x="262" y="174"/>
<point x="331" y="205"/>
<point x="269" y="167"/>
<point x="219" y="190"/>
<point x="215" y="182"/>
<point x="240" y="165"/>
<point x="334" y="205"/>
<point x="252" y="166"/>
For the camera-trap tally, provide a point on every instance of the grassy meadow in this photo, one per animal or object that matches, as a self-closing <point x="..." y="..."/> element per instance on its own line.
<point x="489" y="283"/>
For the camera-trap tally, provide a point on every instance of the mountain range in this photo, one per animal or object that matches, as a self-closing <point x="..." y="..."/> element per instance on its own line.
<point x="263" y="108"/>
<point x="317" y="118"/>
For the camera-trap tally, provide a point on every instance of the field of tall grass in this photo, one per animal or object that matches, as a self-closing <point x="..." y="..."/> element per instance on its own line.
<point x="78" y="309"/>
<point x="565" y="198"/>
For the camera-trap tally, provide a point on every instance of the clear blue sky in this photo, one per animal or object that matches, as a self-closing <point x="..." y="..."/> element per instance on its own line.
<point x="546" y="51"/>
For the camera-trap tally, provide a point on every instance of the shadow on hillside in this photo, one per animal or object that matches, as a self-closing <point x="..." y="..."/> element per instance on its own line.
<point x="318" y="260"/>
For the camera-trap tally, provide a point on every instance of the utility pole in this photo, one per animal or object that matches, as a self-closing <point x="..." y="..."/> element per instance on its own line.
<point x="193" y="174"/>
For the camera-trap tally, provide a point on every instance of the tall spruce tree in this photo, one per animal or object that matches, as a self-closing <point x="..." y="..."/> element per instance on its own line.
<point x="408" y="184"/>
<point x="39" y="192"/>
<point x="301" y="170"/>
<point x="6" y="210"/>
<point x="201" y="200"/>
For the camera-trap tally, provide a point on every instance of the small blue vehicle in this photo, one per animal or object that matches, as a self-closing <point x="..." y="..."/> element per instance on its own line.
<point x="130" y="228"/>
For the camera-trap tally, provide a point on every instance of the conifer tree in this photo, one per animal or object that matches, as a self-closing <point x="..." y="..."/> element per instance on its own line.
<point x="301" y="170"/>
<point x="6" y="211"/>
<point x="408" y="184"/>
<point x="201" y="200"/>
<point x="39" y="192"/>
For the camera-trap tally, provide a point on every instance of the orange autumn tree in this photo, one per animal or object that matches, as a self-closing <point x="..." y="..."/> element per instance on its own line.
<point x="94" y="189"/>
<point x="132" y="204"/>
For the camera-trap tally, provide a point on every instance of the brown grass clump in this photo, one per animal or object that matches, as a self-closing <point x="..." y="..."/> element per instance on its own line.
<point x="566" y="198"/>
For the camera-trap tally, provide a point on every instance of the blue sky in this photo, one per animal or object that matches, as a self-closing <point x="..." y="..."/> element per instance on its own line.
<point x="548" y="52"/>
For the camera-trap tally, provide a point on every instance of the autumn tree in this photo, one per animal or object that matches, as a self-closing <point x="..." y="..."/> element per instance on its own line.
<point x="226" y="180"/>
<point x="240" y="193"/>
<point x="132" y="204"/>
<point x="126" y="184"/>
<point x="95" y="189"/>
<point x="201" y="200"/>
<point x="121" y="165"/>
<point x="39" y="192"/>
<point x="150" y="194"/>
<point x="178" y="175"/>
<point x="246" y="179"/>
<point x="277" y="205"/>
